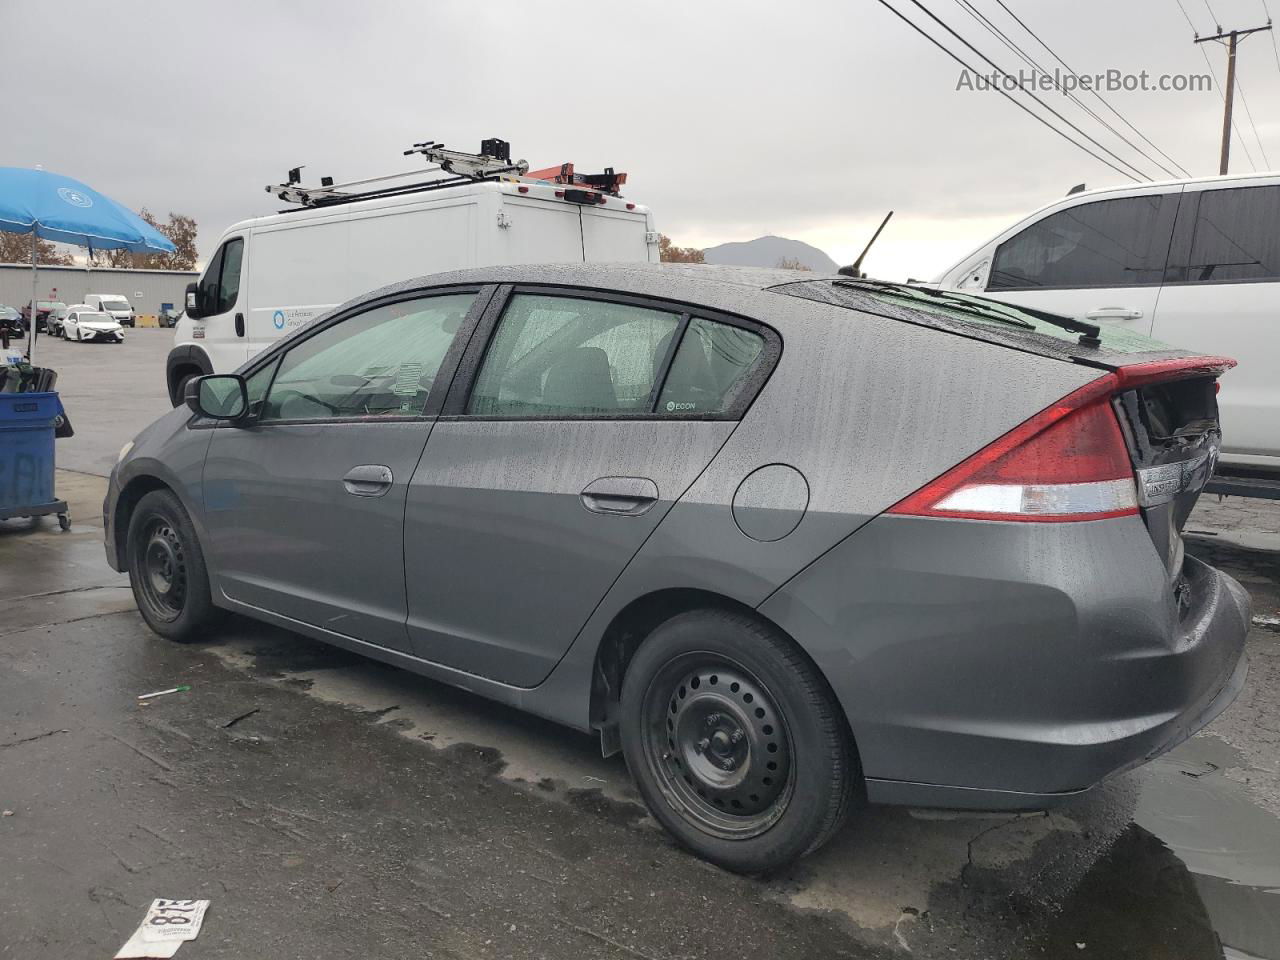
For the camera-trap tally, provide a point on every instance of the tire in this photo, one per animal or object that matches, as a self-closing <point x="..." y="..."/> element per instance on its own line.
<point x="735" y="741"/>
<point x="166" y="569"/>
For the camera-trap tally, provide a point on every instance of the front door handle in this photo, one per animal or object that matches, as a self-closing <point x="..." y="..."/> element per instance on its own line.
<point x="368" y="480"/>
<point x="1114" y="313"/>
<point x="620" y="496"/>
<point x="239" y="324"/>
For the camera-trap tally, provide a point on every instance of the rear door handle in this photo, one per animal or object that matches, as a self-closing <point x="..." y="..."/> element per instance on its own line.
<point x="368" y="480"/>
<point x="620" y="496"/>
<point x="239" y="324"/>
<point x="1114" y="313"/>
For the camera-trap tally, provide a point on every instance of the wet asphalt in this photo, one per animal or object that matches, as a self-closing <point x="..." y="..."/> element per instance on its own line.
<point x="330" y="806"/>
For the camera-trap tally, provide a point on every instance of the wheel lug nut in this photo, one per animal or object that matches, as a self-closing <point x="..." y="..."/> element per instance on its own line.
<point x="703" y="744"/>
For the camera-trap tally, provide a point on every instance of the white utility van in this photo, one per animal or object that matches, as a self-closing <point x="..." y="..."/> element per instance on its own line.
<point x="273" y="274"/>
<point x="1194" y="263"/>
<point x="113" y="304"/>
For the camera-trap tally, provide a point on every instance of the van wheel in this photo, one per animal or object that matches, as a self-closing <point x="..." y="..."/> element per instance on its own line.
<point x="735" y="741"/>
<point x="166" y="568"/>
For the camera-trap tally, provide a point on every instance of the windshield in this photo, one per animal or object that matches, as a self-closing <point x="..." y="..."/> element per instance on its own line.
<point x="122" y="305"/>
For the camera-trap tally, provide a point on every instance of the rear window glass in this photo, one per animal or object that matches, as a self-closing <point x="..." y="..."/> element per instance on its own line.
<point x="1003" y="321"/>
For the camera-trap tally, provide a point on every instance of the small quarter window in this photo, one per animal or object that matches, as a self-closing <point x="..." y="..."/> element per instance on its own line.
<point x="709" y="368"/>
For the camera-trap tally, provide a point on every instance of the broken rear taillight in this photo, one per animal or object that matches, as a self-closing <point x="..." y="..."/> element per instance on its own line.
<point x="1068" y="462"/>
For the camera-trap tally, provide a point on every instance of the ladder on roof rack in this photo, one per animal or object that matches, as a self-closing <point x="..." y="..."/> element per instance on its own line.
<point x="492" y="162"/>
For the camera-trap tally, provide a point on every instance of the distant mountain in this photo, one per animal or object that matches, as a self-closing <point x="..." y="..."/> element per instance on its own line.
<point x="768" y="251"/>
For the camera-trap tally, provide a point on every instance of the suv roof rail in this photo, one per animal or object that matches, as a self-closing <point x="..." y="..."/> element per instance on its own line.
<point x="492" y="162"/>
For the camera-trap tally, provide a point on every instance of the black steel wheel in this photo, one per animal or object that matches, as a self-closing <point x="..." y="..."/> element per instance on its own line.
<point x="718" y="746"/>
<point x="735" y="741"/>
<point x="166" y="568"/>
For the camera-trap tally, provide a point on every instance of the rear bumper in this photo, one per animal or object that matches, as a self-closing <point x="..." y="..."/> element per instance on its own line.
<point x="1008" y="666"/>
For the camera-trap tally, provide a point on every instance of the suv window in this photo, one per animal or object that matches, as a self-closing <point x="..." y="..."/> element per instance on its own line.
<point x="220" y="284"/>
<point x="1236" y="236"/>
<point x="566" y="356"/>
<point x="378" y="363"/>
<point x="1109" y="243"/>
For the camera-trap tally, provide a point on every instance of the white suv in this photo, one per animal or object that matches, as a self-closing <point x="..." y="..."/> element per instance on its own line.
<point x="1195" y="263"/>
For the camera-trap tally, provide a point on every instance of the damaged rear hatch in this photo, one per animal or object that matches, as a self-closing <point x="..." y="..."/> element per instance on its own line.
<point x="1165" y="399"/>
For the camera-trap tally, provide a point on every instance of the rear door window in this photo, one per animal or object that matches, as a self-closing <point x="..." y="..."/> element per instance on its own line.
<point x="1109" y="243"/>
<point x="1235" y="236"/>
<point x="571" y="357"/>
<point x="557" y="357"/>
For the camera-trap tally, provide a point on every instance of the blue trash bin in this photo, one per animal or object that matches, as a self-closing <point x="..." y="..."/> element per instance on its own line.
<point x="27" y="425"/>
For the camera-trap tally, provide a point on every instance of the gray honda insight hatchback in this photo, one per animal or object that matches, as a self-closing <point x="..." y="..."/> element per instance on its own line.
<point x="788" y="542"/>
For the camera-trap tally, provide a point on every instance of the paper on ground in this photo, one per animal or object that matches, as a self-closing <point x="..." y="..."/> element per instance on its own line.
<point x="167" y="925"/>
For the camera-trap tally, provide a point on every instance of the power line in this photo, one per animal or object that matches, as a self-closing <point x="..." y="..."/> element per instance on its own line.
<point x="1188" y="18"/>
<point x="1036" y="67"/>
<point x="1213" y="16"/>
<point x="1021" y="106"/>
<point x="1123" y="119"/>
<point x="991" y="63"/>
<point x="1275" y="46"/>
<point x="1249" y="113"/>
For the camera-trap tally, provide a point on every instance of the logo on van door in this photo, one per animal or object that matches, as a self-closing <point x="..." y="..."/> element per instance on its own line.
<point x="277" y="319"/>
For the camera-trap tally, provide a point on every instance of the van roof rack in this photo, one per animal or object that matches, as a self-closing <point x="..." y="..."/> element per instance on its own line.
<point x="492" y="162"/>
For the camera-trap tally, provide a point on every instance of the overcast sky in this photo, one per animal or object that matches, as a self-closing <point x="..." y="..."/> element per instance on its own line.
<point x="733" y="119"/>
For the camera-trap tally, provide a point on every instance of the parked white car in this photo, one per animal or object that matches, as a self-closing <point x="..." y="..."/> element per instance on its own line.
<point x="85" y="323"/>
<point x="1194" y="263"/>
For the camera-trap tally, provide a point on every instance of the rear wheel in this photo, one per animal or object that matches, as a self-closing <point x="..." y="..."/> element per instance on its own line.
<point x="166" y="568"/>
<point x="735" y="741"/>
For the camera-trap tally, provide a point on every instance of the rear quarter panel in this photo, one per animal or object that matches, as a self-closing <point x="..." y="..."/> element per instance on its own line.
<point x="868" y="409"/>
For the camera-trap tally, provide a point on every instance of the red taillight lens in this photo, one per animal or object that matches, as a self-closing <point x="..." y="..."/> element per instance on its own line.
<point x="1068" y="462"/>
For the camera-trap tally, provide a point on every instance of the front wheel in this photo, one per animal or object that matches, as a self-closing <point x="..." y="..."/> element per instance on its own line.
<point x="166" y="568"/>
<point x="735" y="741"/>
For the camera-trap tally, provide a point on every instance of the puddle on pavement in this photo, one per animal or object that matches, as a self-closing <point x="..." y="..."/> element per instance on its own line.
<point x="1195" y="875"/>
<point x="1230" y="846"/>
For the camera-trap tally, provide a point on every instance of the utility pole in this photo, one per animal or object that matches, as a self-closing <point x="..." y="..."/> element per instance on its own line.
<point x="1233" y="38"/>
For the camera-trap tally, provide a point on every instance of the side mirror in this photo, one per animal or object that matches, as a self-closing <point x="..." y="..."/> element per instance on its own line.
<point x="193" y="301"/>
<point x="221" y="396"/>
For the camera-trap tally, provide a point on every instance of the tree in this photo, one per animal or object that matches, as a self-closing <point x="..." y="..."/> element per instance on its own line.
<point x="16" y="248"/>
<point x="791" y="263"/>
<point x="668" y="252"/>
<point x="181" y="231"/>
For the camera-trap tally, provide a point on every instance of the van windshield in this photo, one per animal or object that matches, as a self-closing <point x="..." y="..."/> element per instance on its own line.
<point x="115" y="305"/>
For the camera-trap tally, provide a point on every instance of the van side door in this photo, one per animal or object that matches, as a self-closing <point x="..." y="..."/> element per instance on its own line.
<point x="1221" y="296"/>
<point x="1100" y="261"/>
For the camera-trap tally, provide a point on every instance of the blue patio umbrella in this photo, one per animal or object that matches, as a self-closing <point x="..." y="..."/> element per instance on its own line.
<point x="53" y="207"/>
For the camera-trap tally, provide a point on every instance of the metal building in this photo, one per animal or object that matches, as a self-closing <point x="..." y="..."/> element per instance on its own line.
<point x="147" y="290"/>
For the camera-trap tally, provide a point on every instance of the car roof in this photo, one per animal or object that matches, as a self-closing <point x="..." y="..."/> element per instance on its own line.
<point x="689" y="282"/>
